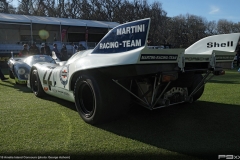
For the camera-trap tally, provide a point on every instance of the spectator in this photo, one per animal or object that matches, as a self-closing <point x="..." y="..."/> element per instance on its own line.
<point x="57" y="53"/>
<point x="74" y="48"/>
<point x="33" y="49"/>
<point x="48" y="50"/>
<point x="42" y="49"/>
<point x="81" y="47"/>
<point x="149" y="42"/>
<point x="45" y="49"/>
<point x="54" y="38"/>
<point x="25" y="51"/>
<point x="2" y="76"/>
<point x="64" y="54"/>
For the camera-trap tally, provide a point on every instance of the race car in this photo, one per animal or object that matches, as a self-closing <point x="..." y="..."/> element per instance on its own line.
<point x="19" y="67"/>
<point x="122" y="69"/>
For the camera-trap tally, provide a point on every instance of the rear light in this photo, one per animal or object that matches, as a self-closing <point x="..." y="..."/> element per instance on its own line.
<point x="217" y="73"/>
<point x="168" y="78"/>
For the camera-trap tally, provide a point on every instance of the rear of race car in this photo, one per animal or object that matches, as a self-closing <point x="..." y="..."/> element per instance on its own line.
<point x="182" y="74"/>
<point x="122" y="69"/>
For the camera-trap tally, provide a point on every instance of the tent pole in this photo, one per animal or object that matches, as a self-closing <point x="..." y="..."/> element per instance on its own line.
<point x="61" y="31"/>
<point x="86" y="37"/>
<point x="31" y="33"/>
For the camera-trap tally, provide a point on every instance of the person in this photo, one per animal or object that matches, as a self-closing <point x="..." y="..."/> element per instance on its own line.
<point x="33" y="49"/>
<point x="238" y="53"/>
<point x="74" y="48"/>
<point x="64" y="54"/>
<point x="25" y="51"/>
<point x="54" y="37"/>
<point x="81" y="47"/>
<point x="57" y="53"/>
<point x="2" y="76"/>
<point x="45" y="49"/>
<point x="149" y="42"/>
<point x="42" y="49"/>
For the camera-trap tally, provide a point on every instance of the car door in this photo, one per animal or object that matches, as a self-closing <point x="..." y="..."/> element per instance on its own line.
<point x="55" y="81"/>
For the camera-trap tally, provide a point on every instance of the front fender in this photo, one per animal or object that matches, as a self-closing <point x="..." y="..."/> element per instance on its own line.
<point x="41" y="68"/>
<point x="21" y="71"/>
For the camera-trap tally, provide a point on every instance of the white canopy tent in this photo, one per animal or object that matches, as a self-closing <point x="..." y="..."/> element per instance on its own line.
<point x="34" y="20"/>
<point x="15" y="18"/>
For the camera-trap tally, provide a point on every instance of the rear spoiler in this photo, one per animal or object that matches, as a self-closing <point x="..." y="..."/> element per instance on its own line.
<point x="212" y="56"/>
<point x="222" y="42"/>
<point x="212" y="49"/>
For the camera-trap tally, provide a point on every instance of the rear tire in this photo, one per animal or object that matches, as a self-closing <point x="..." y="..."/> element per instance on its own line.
<point x="36" y="85"/>
<point x="196" y="80"/>
<point x="98" y="99"/>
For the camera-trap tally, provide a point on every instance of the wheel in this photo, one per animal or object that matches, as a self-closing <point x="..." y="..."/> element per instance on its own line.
<point x="36" y="85"/>
<point x="98" y="99"/>
<point x="11" y="74"/>
<point x="197" y="78"/>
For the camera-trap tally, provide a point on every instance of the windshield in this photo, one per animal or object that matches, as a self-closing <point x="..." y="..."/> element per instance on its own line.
<point x="39" y="58"/>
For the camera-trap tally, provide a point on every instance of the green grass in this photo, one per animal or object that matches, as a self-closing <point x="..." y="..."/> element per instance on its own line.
<point x="51" y="126"/>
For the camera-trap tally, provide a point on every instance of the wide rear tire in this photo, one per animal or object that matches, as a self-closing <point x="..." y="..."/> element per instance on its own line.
<point x="98" y="99"/>
<point x="196" y="80"/>
<point x="36" y="85"/>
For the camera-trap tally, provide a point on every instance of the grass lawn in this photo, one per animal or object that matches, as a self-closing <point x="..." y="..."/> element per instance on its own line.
<point x="30" y="126"/>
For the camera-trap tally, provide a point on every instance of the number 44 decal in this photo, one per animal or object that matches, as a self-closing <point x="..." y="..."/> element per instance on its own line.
<point x="63" y="76"/>
<point x="47" y="81"/>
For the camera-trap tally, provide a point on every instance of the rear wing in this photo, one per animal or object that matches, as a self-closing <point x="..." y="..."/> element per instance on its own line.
<point x="213" y="49"/>
<point x="222" y="42"/>
<point x="126" y="44"/>
<point x="178" y="56"/>
<point x="212" y="57"/>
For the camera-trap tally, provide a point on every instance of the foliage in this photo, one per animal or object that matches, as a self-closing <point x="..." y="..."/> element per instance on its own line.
<point x="178" y="31"/>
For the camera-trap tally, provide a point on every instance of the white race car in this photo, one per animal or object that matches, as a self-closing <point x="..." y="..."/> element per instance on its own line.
<point x="121" y="69"/>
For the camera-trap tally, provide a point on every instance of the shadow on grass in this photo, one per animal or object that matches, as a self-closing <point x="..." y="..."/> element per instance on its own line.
<point x="23" y="88"/>
<point x="202" y="129"/>
<point x="65" y="103"/>
<point x="20" y="87"/>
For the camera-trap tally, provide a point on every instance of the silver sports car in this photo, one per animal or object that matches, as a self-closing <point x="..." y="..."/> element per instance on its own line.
<point x="19" y="67"/>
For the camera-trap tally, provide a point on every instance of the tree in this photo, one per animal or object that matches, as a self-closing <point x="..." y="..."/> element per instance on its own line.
<point x="73" y="8"/>
<point x="158" y="24"/>
<point x="179" y="31"/>
<point x="211" y="28"/>
<point x="6" y="7"/>
<point x="224" y="26"/>
<point x="236" y="27"/>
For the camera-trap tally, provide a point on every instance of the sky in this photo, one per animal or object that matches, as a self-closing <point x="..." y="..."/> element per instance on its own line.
<point x="209" y="9"/>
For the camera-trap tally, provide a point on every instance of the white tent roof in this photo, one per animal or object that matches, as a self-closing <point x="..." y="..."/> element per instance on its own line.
<point x="15" y="18"/>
